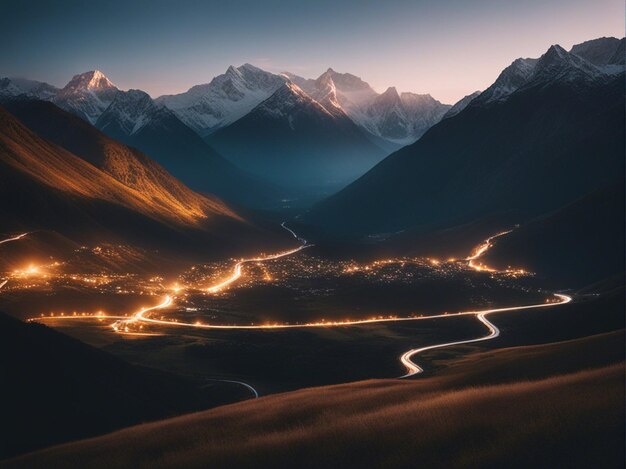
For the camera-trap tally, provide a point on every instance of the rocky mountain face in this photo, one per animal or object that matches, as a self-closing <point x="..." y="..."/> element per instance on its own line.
<point x="460" y="105"/>
<point x="398" y="118"/>
<point x="547" y="132"/>
<point x="60" y="173"/>
<point x="87" y="95"/>
<point x="294" y="140"/>
<point x="228" y="97"/>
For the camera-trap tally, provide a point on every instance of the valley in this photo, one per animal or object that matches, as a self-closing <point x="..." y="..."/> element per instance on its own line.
<point x="294" y="290"/>
<point x="393" y="239"/>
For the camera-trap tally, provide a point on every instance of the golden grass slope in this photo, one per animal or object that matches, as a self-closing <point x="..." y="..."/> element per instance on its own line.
<point x="127" y="178"/>
<point x="575" y="419"/>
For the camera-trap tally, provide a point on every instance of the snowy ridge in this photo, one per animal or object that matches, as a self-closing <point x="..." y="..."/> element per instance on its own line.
<point x="130" y="110"/>
<point x="228" y="97"/>
<point x="586" y="63"/>
<point x="288" y="101"/>
<point x="8" y="88"/>
<point x="400" y="119"/>
<point x="460" y="105"/>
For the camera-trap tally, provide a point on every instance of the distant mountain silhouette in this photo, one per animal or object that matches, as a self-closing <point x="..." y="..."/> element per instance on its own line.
<point x="136" y="120"/>
<point x="574" y="246"/>
<point x="548" y="132"/>
<point x="294" y="140"/>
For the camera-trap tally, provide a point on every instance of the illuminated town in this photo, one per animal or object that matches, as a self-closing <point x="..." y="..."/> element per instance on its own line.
<point x="203" y="290"/>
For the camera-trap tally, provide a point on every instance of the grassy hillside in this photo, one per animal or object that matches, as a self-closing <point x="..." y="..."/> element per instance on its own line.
<point x="57" y="389"/>
<point x="570" y="413"/>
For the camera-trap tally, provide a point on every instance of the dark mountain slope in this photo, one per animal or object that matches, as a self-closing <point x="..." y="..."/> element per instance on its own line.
<point x="574" y="246"/>
<point x="124" y="164"/>
<point x="294" y="140"/>
<point x="134" y="119"/>
<point x="61" y="389"/>
<point x="130" y="199"/>
<point x="551" y="141"/>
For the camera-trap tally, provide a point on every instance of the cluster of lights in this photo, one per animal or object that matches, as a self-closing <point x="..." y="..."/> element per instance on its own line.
<point x="130" y="323"/>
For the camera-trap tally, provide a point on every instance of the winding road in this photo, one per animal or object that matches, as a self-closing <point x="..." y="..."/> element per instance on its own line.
<point x="8" y="240"/>
<point x="414" y="369"/>
<point x="125" y="324"/>
<point x="14" y="238"/>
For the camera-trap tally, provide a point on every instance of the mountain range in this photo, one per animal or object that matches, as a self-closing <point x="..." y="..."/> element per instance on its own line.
<point x="343" y="127"/>
<point x="228" y="97"/>
<point x="293" y="140"/>
<point x="398" y="118"/>
<point x="60" y="173"/>
<point x="546" y="133"/>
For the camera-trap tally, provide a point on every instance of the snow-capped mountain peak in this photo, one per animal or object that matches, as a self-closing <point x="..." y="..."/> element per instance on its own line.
<point x="325" y="93"/>
<point x="509" y="80"/>
<point x="346" y="82"/>
<point x="401" y="118"/>
<point x="288" y="96"/>
<point x="34" y="88"/>
<point x="226" y="98"/>
<point x="389" y="97"/>
<point x="93" y="80"/>
<point x="87" y="95"/>
<point x="600" y="52"/>
<point x="8" y="88"/>
<point x="557" y="63"/>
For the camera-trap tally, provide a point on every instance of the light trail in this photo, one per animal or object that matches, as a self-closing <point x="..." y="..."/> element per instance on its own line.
<point x="246" y="385"/>
<point x="480" y="250"/>
<point x="414" y="369"/>
<point x="123" y="324"/>
<point x="302" y="240"/>
<point x="15" y="238"/>
<point x="140" y="316"/>
<point x="168" y="301"/>
<point x="237" y="271"/>
<point x="8" y="240"/>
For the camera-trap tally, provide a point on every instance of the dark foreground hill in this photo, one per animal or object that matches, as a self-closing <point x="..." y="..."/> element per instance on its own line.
<point x="562" y="416"/>
<point x="57" y="389"/>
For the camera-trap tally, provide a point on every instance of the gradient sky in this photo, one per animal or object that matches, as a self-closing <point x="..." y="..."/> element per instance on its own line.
<point x="445" y="48"/>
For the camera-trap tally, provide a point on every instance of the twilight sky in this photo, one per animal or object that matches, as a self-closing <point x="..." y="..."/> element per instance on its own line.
<point x="448" y="48"/>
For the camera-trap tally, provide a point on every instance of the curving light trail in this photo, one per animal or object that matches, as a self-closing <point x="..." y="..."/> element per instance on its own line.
<point x="237" y="271"/>
<point x="302" y="240"/>
<point x="480" y="250"/>
<point x="122" y="323"/>
<point x="246" y="385"/>
<point x="8" y="240"/>
<point x="14" y="238"/>
<point x="414" y="369"/>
